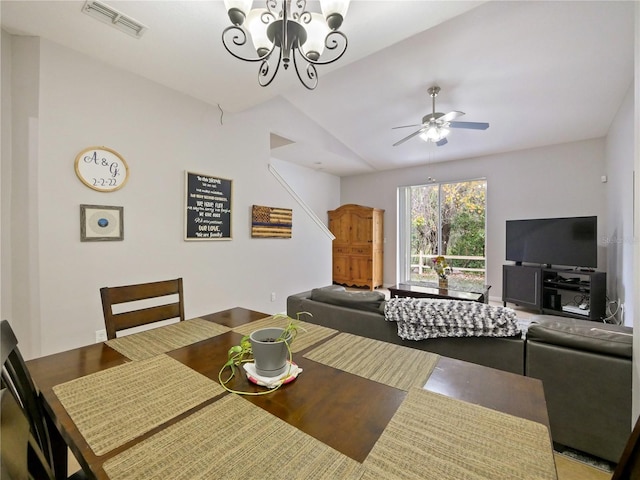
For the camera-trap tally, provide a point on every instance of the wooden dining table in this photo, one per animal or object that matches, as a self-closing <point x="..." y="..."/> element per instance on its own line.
<point x="342" y="410"/>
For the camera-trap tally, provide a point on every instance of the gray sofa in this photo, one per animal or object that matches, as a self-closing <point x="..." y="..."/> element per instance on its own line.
<point x="585" y="366"/>
<point x="366" y="319"/>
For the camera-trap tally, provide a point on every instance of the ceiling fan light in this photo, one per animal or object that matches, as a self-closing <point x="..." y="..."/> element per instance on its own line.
<point x="257" y="23"/>
<point x="237" y="10"/>
<point x="317" y="31"/>
<point x="434" y="134"/>
<point x="334" y="11"/>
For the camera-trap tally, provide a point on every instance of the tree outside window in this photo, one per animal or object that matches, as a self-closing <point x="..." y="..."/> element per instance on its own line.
<point x="448" y="219"/>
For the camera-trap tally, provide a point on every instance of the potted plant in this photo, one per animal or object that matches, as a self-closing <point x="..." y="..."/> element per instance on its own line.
<point x="269" y="348"/>
<point x="442" y="269"/>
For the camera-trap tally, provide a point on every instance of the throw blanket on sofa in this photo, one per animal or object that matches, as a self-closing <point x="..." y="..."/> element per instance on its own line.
<point x="420" y="318"/>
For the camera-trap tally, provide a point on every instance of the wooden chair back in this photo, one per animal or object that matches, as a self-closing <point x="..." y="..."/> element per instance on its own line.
<point x="18" y="383"/>
<point x="141" y="316"/>
<point x="628" y="467"/>
<point x="14" y="432"/>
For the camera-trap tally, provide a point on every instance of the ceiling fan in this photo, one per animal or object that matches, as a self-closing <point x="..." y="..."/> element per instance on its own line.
<point x="435" y="126"/>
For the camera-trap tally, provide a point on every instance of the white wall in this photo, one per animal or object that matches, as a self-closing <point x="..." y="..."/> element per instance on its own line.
<point x="20" y="75"/>
<point x="560" y="180"/>
<point x="5" y="175"/>
<point x="619" y="200"/>
<point x="636" y="216"/>
<point x="320" y="191"/>
<point x="160" y="133"/>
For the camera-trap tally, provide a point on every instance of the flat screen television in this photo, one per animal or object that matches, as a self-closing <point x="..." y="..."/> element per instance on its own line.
<point x="554" y="241"/>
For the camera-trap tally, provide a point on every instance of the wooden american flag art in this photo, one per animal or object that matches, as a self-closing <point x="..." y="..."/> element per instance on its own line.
<point x="271" y="222"/>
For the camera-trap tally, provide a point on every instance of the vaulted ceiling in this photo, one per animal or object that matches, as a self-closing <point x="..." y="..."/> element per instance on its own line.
<point x="540" y="73"/>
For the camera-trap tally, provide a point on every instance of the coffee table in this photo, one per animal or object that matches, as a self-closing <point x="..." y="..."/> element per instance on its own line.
<point x="427" y="291"/>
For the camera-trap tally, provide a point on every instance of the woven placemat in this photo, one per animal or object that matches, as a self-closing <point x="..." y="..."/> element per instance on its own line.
<point x="309" y="333"/>
<point x="149" y="343"/>
<point x="394" y="365"/>
<point x="232" y="439"/>
<point x="114" y="406"/>
<point x="436" y="437"/>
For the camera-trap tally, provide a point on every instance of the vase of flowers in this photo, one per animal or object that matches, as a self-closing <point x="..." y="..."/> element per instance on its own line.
<point x="442" y="269"/>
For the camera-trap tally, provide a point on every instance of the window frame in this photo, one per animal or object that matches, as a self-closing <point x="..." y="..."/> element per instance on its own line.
<point x="403" y="234"/>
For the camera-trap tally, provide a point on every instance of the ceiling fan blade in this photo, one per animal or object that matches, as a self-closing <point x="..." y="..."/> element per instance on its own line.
<point x="417" y="132"/>
<point x="442" y="142"/>
<point x="471" y="125"/>
<point x="450" y="116"/>
<point x="407" y="126"/>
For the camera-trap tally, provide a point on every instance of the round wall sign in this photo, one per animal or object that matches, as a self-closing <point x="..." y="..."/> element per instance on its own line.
<point x="102" y="169"/>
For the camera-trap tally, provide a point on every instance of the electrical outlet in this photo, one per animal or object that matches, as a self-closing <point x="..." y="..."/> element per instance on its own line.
<point x="101" y="336"/>
<point x="273" y="296"/>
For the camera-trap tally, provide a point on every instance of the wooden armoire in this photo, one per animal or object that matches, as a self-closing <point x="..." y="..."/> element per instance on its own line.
<point x="357" y="248"/>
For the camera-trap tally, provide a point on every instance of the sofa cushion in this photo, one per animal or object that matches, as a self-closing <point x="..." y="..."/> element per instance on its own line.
<point x="583" y="335"/>
<point x="419" y="319"/>
<point x="367" y="301"/>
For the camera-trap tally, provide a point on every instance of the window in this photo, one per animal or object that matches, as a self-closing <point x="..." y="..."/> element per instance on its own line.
<point x="442" y="219"/>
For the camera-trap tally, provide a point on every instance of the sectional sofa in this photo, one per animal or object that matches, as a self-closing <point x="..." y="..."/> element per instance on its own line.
<point x="585" y="366"/>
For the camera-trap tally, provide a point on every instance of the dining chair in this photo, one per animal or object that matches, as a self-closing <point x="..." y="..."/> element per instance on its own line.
<point x="134" y="316"/>
<point x="19" y="387"/>
<point x="628" y="468"/>
<point x="14" y="432"/>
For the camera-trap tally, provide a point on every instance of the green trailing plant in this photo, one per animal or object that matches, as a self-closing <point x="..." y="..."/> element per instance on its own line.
<point x="239" y="354"/>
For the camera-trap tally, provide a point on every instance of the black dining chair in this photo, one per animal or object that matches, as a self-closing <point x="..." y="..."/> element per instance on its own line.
<point x="14" y="432"/>
<point x="134" y="317"/>
<point x="18" y="383"/>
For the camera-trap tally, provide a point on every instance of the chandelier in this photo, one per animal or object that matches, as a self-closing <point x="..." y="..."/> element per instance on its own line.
<point x="303" y="38"/>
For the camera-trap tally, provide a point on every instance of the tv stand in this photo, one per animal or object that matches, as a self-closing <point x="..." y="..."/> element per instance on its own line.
<point x="548" y="290"/>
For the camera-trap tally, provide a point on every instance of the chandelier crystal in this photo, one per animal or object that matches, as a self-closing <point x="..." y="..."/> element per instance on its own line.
<point x="303" y="38"/>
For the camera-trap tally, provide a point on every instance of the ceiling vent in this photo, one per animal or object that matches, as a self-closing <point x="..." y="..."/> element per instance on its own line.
<point x="113" y="17"/>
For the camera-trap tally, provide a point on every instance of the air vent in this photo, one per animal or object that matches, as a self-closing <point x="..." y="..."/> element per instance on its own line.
<point x="113" y="17"/>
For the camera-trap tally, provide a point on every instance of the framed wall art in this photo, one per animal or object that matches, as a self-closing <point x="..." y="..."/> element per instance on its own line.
<point x="271" y="222"/>
<point x="208" y="207"/>
<point x="102" y="169"/>
<point x="99" y="223"/>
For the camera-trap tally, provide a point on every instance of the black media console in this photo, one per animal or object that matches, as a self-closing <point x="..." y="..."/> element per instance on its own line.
<point x="556" y="291"/>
